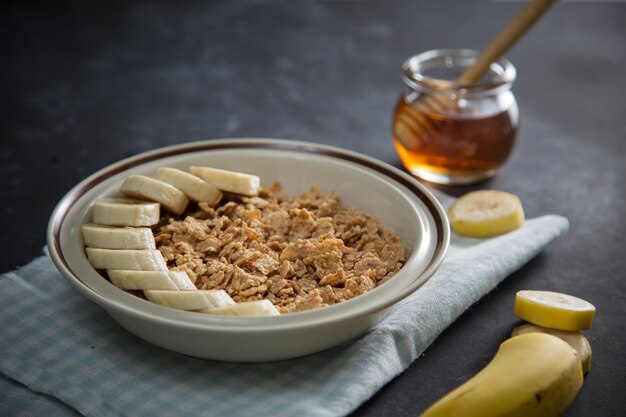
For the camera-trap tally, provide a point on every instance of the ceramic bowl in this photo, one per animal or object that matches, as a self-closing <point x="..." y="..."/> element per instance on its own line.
<point x="398" y="200"/>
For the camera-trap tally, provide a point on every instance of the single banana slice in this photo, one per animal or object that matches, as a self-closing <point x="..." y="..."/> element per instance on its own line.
<point x="190" y="300"/>
<point x="232" y="182"/>
<point x="151" y="280"/>
<point x="532" y="374"/>
<point x="486" y="213"/>
<point x="246" y="308"/>
<point x="110" y="237"/>
<point x="554" y="310"/>
<point x="194" y="187"/>
<point x="138" y="260"/>
<point x="575" y="339"/>
<point x="167" y="195"/>
<point x="125" y="212"/>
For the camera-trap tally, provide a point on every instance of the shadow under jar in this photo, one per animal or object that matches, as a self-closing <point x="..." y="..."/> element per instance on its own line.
<point x="448" y="132"/>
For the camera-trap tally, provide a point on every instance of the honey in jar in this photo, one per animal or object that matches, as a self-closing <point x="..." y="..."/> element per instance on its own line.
<point x="449" y="133"/>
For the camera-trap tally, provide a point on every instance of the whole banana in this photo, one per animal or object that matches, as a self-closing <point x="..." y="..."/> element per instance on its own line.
<point x="534" y="374"/>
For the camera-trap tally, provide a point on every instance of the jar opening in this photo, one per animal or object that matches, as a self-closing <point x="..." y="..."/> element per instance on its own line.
<point x="437" y="71"/>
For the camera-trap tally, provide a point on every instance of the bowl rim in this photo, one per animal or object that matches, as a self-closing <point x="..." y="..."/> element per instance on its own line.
<point x="237" y="324"/>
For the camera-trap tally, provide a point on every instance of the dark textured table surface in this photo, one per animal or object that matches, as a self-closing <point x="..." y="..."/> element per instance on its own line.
<point x="85" y="85"/>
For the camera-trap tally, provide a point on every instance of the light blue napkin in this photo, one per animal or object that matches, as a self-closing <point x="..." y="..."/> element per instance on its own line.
<point x="55" y="342"/>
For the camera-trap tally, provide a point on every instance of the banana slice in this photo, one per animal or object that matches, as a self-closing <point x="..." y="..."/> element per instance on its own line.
<point x="190" y="300"/>
<point x="247" y="308"/>
<point x="195" y="188"/>
<point x="141" y="260"/>
<point x="125" y="212"/>
<point x="575" y="340"/>
<point x="232" y="182"/>
<point x="554" y="310"/>
<point x="110" y="237"/>
<point x="151" y="280"/>
<point x="167" y="195"/>
<point x="486" y="213"/>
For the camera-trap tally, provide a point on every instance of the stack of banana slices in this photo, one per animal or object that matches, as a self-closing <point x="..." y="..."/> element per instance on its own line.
<point x="120" y="239"/>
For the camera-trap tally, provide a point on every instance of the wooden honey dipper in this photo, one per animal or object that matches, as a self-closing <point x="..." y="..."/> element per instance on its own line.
<point x="515" y="29"/>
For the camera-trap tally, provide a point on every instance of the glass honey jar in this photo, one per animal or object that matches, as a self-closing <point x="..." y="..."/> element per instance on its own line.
<point x="447" y="132"/>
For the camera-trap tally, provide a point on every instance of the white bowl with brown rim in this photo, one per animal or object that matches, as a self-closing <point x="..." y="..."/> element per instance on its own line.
<point x="398" y="200"/>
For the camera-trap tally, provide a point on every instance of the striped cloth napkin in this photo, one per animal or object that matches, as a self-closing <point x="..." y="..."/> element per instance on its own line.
<point x="62" y="355"/>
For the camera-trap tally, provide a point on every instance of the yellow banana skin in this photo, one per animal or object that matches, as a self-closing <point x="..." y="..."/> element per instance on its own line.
<point x="576" y="340"/>
<point x="534" y="374"/>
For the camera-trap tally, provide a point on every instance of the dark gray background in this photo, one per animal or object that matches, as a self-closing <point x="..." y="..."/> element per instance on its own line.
<point x="85" y="85"/>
